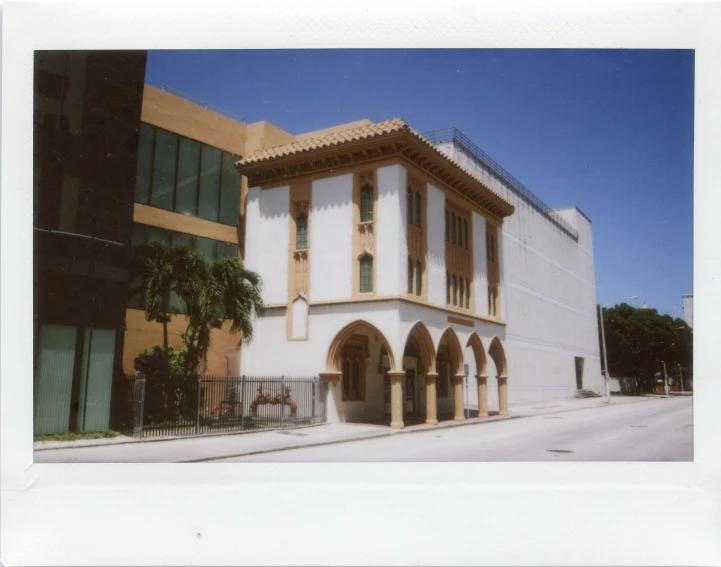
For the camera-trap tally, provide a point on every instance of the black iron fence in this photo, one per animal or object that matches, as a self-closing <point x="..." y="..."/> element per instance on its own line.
<point x="210" y="404"/>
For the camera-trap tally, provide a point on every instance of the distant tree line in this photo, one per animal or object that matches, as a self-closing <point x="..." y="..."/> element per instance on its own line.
<point x="638" y="341"/>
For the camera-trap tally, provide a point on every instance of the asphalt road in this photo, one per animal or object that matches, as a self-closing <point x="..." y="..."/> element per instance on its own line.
<point x="657" y="430"/>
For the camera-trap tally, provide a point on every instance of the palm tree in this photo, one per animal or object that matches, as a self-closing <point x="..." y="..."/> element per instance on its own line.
<point x="156" y="265"/>
<point x="223" y="290"/>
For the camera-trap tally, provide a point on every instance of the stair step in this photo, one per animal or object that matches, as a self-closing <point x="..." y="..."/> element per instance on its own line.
<point x="587" y="394"/>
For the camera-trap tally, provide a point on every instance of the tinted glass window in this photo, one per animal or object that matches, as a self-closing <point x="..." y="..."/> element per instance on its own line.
<point x="145" y="164"/>
<point x="227" y="250"/>
<point x="419" y="280"/>
<point x="301" y="234"/>
<point x="166" y="149"/>
<point x="230" y="191"/>
<point x="186" y="197"/>
<point x="418" y="210"/>
<point x="366" y="204"/>
<point x="209" y="183"/>
<point x="366" y="274"/>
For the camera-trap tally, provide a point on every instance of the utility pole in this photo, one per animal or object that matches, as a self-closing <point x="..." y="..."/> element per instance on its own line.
<point x="665" y="379"/>
<point x="605" y="358"/>
<point x="680" y="377"/>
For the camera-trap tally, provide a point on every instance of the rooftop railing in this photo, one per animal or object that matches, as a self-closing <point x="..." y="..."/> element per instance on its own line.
<point x="204" y="103"/>
<point x="465" y="144"/>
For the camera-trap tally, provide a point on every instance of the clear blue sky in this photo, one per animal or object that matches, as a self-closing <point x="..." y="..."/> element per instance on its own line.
<point x="609" y="131"/>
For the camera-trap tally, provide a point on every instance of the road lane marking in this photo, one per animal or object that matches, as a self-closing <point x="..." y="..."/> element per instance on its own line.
<point x="608" y="438"/>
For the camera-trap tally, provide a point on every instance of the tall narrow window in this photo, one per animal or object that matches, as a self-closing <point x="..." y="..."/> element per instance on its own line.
<point x="448" y="288"/>
<point x="465" y="234"/>
<point x="418" y="209"/>
<point x="145" y="164"/>
<point x="453" y="228"/>
<point x="493" y="249"/>
<point x="301" y="232"/>
<point x="410" y="275"/>
<point x="409" y="206"/>
<point x="346" y="379"/>
<point x="366" y="204"/>
<point x="186" y="192"/>
<point x="460" y="232"/>
<point x="355" y="381"/>
<point x="460" y="292"/>
<point x="468" y="294"/>
<point x="490" y="301"/>
<point x="447" y="226"/>
<point x="419" y="279"/>
<point x="166" y="152"/>
<point x="455" y="290"/>
<point x="209" y="189"/>
<point x="366" y="274"/>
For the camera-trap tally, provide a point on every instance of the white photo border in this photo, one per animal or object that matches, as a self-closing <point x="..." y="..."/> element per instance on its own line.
<point x="301" y="514"/>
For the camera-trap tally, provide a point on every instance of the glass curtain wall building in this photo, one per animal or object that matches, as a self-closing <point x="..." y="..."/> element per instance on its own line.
<point x="87" y="110"/>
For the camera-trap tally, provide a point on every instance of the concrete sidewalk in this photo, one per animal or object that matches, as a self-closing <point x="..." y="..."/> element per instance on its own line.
<point x="205" y="448"/>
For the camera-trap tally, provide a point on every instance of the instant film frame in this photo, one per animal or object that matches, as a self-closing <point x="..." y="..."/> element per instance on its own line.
<point x="441" y="513"/>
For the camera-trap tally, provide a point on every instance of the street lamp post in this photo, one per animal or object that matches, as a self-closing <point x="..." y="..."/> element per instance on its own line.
<point x="607" y="374"/>
<point x="680" y="377"/>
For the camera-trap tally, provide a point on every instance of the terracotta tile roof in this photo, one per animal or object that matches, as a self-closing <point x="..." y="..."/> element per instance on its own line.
<point x="328" y="141"/>
<point x="367" y="132"/>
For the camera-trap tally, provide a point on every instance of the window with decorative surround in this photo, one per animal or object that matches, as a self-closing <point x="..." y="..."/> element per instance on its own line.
<point x="365" y="196"/>
<point x="416" y="237"/>
<point x="459" y="256"/>
<point x="493" y="271"/>
<point x="299" y="260"/>
<point x="353" y="366"/>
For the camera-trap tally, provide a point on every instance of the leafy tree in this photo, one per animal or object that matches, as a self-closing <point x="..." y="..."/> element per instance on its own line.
<point x="210" y="293"/>
<point x="161" y="387"/>
<point x="223" y="290"/>
<point x="158" y="266"/>
<point x="638" y="340"/>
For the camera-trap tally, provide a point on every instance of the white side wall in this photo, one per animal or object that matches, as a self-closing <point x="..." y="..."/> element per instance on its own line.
<point x="548" y="297"/>
<point x="331" y="238"/>
<point x="267" y="250"/>
<point x="480" y="275"/>
<point x="391" y="236"/>
<point x="436" y="238"/>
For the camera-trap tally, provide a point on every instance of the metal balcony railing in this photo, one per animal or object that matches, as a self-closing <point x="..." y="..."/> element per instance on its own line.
<point x="465" y="144"/>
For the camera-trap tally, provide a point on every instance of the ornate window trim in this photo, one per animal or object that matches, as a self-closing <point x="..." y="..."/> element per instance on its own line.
<point x="459" y="256"/>
<point x="364" y="231"/>
<point x="299" y="207"/>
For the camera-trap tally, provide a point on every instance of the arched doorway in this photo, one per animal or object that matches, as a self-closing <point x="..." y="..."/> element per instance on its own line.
<point x="419" y="365"/>
<point x="496" y="352"/>
<point x="358" y="360"/>
<point x="479" y="355"/>
<point x="449" y="366"/>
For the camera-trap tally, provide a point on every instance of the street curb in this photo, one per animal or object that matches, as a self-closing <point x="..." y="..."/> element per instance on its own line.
<point x="176" y="438"/>
<point x="415" y="429"/>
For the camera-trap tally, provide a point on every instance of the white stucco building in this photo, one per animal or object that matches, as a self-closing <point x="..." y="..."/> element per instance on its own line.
<point x="688" y="309"/>
<point x="389" y="262"/>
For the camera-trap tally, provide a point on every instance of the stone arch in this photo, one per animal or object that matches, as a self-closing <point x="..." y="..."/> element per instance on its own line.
<point x="479" y="353"/>
<point x="427" y="351"/>
<point x="334" y="351"/>
<point x="454" y="348"/>
<point x="496" y="352"/>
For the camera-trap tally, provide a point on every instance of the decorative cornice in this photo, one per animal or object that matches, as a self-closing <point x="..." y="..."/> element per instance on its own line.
<point x="284" y="163"/>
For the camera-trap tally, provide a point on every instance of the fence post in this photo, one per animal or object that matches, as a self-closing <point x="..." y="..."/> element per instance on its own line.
<point x="282" y="400"/>
<point x="139" y="405"/>
<point x="312" y="402"/>
<point x="242" y="402"/>
<point x="197" y="412"/>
